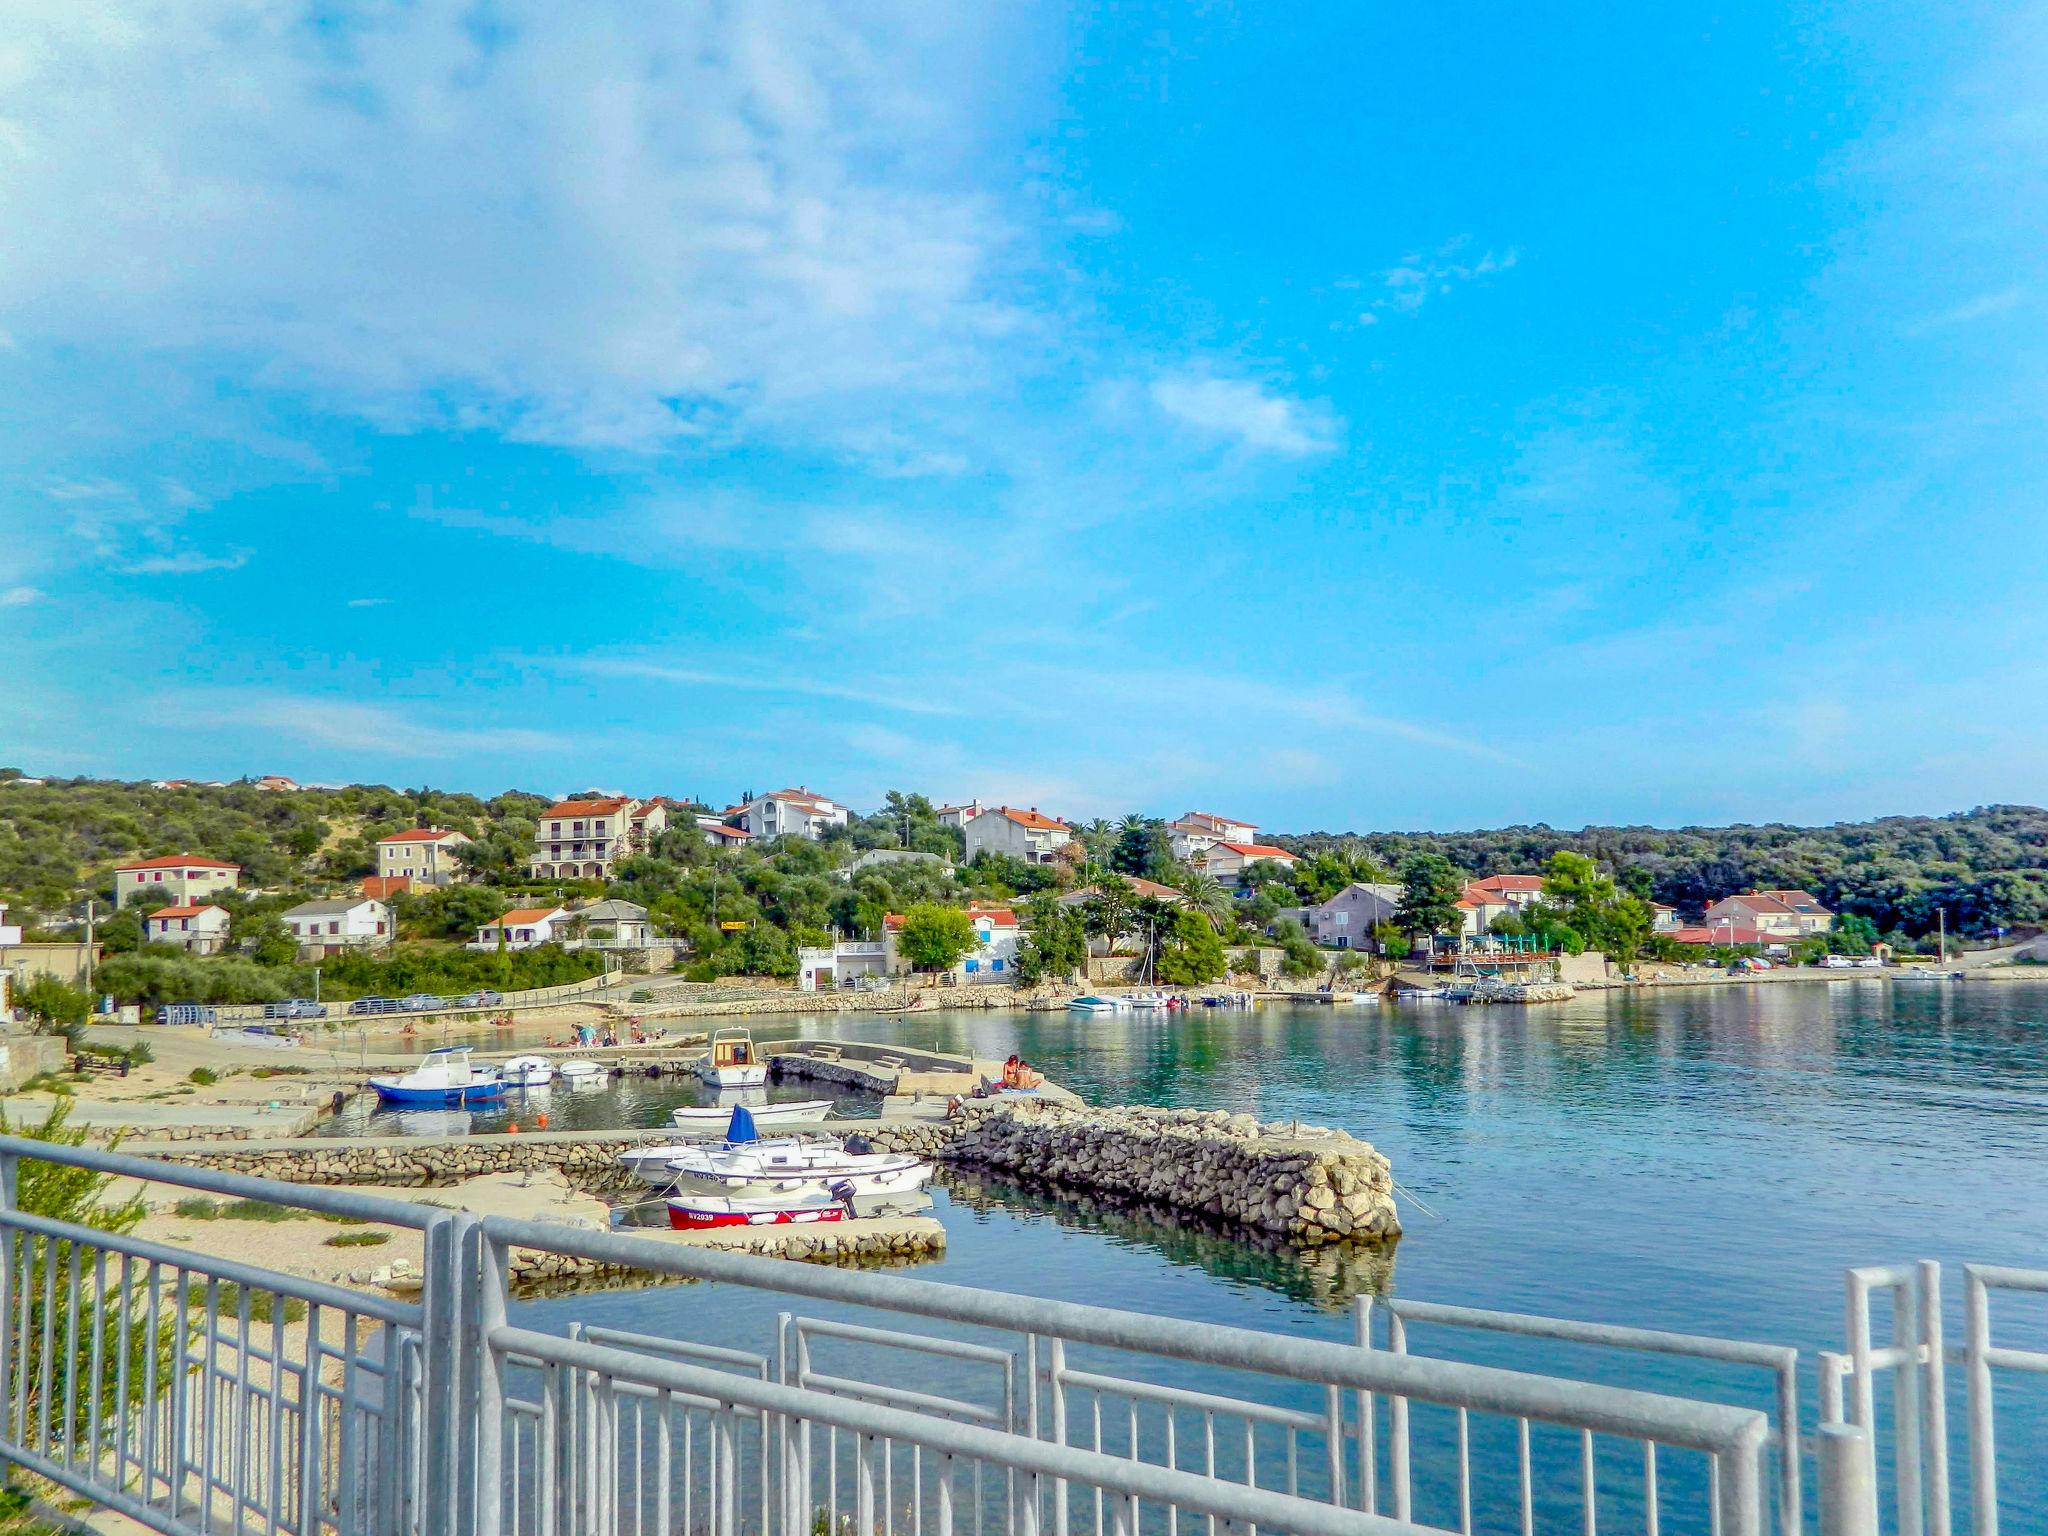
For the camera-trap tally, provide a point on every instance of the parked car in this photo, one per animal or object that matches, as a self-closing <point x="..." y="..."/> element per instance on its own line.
<point x="295" y="1008"/>
<point x="1837" y="963"/>
<point x="374" y="1005"/>
<point x="420" y="1002"/>
<point x="483" y="997"/>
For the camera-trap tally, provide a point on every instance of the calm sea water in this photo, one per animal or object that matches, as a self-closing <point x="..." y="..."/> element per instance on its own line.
<point x="1707" y="1161"/>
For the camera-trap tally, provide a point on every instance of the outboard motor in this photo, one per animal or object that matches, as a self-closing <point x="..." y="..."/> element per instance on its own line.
<point x="858" y="1145"/>
<point x="842" y="1191"/>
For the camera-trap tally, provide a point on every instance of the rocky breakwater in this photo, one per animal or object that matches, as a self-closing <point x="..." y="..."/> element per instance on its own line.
<point x="1303" y="1184"/>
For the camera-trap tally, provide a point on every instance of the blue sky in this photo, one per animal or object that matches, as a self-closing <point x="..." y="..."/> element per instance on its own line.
<point x="1341" y="417"/>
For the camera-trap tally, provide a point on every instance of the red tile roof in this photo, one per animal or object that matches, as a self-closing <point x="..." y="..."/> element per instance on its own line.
<point x="1030" y="818"/>
<point x="585" y="808"/>
<point x="420" y="835"/>
<point x="1258" y="851"/>
<point x="525" y="915"/>
<point x="1726" y="933"/>
<point x="187" y="911"/>
<point x="802" y="797"/>
<point x="1216" y="821"/>
<point x="1506" y="883"/>
<point x="738" y="834"/>
<point x="998" y="917"/>
<point x="180" y="862"/>
<point x="1756" y="901"/>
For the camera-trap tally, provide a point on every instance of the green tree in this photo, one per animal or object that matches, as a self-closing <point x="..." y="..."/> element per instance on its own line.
<point x="55" y="1003"/>
<point x="1109" y="910"/>
<point x="1299" y="957"/>
<point x="1430" y="891"/>
<point x="1192" y="953"/>
<point x="1204" y="893"/>
<point x="936" y="938"/>
<point x="1055" y="944"/>
<point x="764" y="950"/>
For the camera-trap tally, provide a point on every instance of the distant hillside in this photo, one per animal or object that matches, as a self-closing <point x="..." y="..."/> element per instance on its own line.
<point x="1987" y="868"/>
<point x="60" y="840"/>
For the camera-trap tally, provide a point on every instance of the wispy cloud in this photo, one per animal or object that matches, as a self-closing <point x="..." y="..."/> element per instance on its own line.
<point x="368" y="602"/>
<point x="20" y="597"/>
<point x="906" y="699"/>
<point x="1246" y="413"/>
<point x="373" y="730"/>
<point x="1420" y="276"/>
<point x="1984" y="306"/>
<point x="187" y="563"/>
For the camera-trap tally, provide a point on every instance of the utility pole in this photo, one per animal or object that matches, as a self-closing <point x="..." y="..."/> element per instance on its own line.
<point x="91" y="954"/>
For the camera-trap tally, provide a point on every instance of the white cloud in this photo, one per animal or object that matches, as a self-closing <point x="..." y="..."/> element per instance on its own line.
<point x="906" y="699"/>
<point x="190" y="563"/>
<point x="368" y="602"/>
<point x="606" y="224"/>
<point x="378" y="730"/>
<point x="20" y="597"/>
<point x="1247" y="413"/>
<point x="1984" y="306"/>
<point x="1420" y="276"/>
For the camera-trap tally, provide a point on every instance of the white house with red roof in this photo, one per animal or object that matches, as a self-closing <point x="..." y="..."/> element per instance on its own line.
<point x="583" y="839"/>
<point x="994" y="957"/>
<point x="185" y="878"/>
<point x="421" y="856"/>
<point x="521" y="928"/>
<point x="1029" y="835"/>
<point x="959" y="815"/>
<point x="274" y="783"/>
<point x="344" y="923"/>
<point x="198" y="929"/>
<point x="1229" y="861"/>
<point x="1197" y="832"/>
<point x="791" y="813"/>
<point x="1517" y="891"/>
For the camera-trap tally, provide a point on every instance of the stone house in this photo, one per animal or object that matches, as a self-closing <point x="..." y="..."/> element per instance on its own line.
<point x="1347" y="919"/>
<point x="198" y="930"/>
<point x="609" y="925"/>
<point x="1227" y="862"/>
<point x="185" y="878"/>
<point x="422" y="856"/>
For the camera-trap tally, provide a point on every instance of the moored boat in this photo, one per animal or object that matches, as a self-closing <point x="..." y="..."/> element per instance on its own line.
<point x="732" y="1061"/>
<point x="527" y="1072"/>
<point x="445" y="1076"/>
<point x="1095" y="1005"/>
<point x="792" y="1168"/>
<point x="706" y="1116"/>
<point x="577" y="1067"/>
<point x="702" y="1213"/>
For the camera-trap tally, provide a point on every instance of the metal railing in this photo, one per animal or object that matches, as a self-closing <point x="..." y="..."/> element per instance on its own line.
<point x="199" y="1394"/>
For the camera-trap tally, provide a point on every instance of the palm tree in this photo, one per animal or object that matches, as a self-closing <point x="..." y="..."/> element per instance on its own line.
<point x="1204" y="893"/>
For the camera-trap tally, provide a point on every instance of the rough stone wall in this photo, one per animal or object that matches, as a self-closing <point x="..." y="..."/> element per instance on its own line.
<point x="591" y="1163"/>
<point x="1304" y="1184"/>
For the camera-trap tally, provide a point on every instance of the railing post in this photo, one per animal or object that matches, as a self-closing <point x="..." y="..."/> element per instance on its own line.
<point x="10" y="1178"/>
<point x="481" y="1484"/>
<point x="1848" y="1488"/>
<point x="1397" y="1427"/>
<point x="446" y="1393"/>
<point x="1983" y="1443"/>
<point x="1934" y="1399"/>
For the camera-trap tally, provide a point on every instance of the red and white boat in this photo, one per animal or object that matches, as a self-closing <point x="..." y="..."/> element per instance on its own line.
<point x="701" y="1213"/>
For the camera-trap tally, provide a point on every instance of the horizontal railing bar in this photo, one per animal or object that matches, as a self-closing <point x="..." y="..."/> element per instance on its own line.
<point x="1626" y="1411"/>
<point x="901" y="1397"/>
<point x="1142" y="1480"/>
<point x="400" y="1314"/>
<point x="336" y="1201"/>
<point x="2009" y="1358"/>
<point x="681" y="1348"/>
<point x="2003" y="1277"/>
<point x="638" y="1393"/>
<point x="957" y="1349"/>
<point x="1574" y="1331"/>
<point x="1183" y="1397"/>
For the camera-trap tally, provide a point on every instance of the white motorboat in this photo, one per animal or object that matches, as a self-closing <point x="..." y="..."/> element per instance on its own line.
<point x="573" y="1069"/>
<point x="1095" y="1005"/>
<point x="711" y="1116"/>
<point x="732" y="1061"/>
<point x="527" y="1072"/>
<point x="443" y="1077"/>
<point x="761" y="1169"/>
<point x="1149" y="1000"/>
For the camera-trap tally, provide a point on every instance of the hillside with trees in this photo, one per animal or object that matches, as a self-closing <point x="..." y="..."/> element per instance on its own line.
<point x="1986" y="868"/>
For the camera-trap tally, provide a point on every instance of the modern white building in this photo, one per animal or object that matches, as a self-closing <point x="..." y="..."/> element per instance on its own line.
<point x="791" y="813"/>
<point x="1197" y="832"/>
<point x="521" y="928"/>
<point x="422" y="855"/>
<point x="330" y="927"/>
<point x="186" y="879"/>
<point x="845" y="964"/>
<point x="198" y="930"/>
<point x="1028" y="835"/>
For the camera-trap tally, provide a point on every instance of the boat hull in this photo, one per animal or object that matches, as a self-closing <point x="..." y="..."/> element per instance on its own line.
<point x="685" y="1215"/>
<point x="713" y="1116"/>
<point x="469" y="1093"/>
<point x="753" y="1075"/>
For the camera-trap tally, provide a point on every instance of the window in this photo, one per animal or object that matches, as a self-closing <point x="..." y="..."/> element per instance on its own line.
<point x="334" y="927"/>
<point x="380" y="929"/>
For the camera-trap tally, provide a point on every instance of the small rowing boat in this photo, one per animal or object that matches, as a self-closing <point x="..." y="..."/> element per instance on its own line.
<point x="703" y="1213"/>
<point x="706" y="1116"/>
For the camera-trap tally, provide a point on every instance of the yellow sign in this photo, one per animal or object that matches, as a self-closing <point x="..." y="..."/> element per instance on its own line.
<point x="732" y="927"/>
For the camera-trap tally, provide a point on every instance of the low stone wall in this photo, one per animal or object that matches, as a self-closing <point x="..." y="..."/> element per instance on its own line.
<point x="859" y="1242"/>
<point x="590" y="1162"/>
<point x="1302" y="1183"/>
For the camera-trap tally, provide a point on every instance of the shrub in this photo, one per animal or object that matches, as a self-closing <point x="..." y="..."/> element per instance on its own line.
<point x="358" y="1239"/>
<point x="205" y="1077"/>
